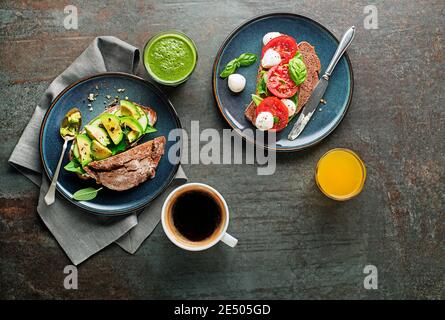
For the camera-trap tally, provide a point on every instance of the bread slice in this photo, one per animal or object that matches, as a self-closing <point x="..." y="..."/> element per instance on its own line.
<point x="250" y="112"/>
<point x="313" y="67"/>
<point x="130" y="168"/>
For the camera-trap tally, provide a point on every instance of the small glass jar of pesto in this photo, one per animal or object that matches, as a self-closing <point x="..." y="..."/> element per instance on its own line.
<point x="170" y="57"/>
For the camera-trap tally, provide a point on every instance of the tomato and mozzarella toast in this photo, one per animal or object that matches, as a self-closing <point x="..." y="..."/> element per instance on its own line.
<point x="287" y="75"/>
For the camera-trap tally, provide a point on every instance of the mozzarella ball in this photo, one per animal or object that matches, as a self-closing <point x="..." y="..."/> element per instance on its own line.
<point x="236" y="82"/>
<point x="291" y="107"/>
<point x="271" y="58"/>
<point x="269" y="36"/>
<point x="264" y="121"/>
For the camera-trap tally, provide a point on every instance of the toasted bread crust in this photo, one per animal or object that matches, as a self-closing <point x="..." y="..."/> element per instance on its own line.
<point x="250" y="112"/>
<point x="313" y="66"/>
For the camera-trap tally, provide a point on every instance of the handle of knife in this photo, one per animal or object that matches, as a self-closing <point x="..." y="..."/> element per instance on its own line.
<point x="342" y="46"/>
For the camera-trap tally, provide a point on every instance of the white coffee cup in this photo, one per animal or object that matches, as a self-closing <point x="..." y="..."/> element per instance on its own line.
<point x="219" y="233"/>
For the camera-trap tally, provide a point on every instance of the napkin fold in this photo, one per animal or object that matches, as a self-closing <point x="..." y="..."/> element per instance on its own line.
<point x="81" y="234"/>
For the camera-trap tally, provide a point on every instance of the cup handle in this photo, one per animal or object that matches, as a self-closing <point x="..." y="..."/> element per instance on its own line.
<point x="229" y="240"/>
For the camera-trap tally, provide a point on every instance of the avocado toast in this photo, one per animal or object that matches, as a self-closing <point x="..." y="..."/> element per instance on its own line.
<point x="106" y="149"/>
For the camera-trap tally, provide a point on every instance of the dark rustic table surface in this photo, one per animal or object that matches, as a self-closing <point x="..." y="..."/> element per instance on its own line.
<point x="293" y="241"/>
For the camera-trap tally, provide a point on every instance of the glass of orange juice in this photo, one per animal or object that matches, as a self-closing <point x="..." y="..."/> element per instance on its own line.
<point x="340" y="174"/>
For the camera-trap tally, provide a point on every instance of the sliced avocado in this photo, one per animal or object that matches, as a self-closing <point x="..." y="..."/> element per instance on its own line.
<point x="95" y="122"/>
<point x="84" y="148"/>
<point x="131" y="109"/>
<point x="128" y="108"/>
<point x="67" y="131"/>
<point x="112" y="125"/>
<point x="143" y="120"/>
<point x="99" y="152"/>
<point x="132" y="136"/>
<point x="134" y="125"/>
<point x="97" y="133"/>
<point x="74" y="118"/>
<point x="75" y="150"/>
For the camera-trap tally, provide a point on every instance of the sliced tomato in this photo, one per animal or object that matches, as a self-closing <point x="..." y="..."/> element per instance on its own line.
<point x="278" y="110"/>
<point x="280" y="83"/>
<point x="286" y="46"/>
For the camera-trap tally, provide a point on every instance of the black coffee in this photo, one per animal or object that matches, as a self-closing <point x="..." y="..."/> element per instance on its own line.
<point x="196" y="215"/>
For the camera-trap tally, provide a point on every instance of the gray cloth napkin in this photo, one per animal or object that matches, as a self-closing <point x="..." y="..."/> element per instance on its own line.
<point x="78" y="233"/>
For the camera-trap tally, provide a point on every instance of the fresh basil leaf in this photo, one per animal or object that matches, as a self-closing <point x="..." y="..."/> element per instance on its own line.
<point x="122" y="146"/>
<point x="246" y="59"/>
<point x="295" y="98"/>
<point x="276" y="119"/>
<point x="126" y="130"/>
<point x="230" y="68"/>
<point x="74" y="166"/>
<point x="260" y="88"/>
<point x="86" y="194"/>
<point x="297" y="69"/>
<point x="262" y="84"/>
<point x="150" y="129"/>
<point x="256" y="99"/>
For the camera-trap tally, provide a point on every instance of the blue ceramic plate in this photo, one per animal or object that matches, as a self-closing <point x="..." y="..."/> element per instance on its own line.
<point x="108" y="202"/>
<point x="248" y="38"/>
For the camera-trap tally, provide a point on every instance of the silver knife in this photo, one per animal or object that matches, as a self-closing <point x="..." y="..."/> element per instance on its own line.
<point x="320" y="88"/>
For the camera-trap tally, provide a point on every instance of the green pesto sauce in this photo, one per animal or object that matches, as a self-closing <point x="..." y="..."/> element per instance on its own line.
<point x="170" y="57"/>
